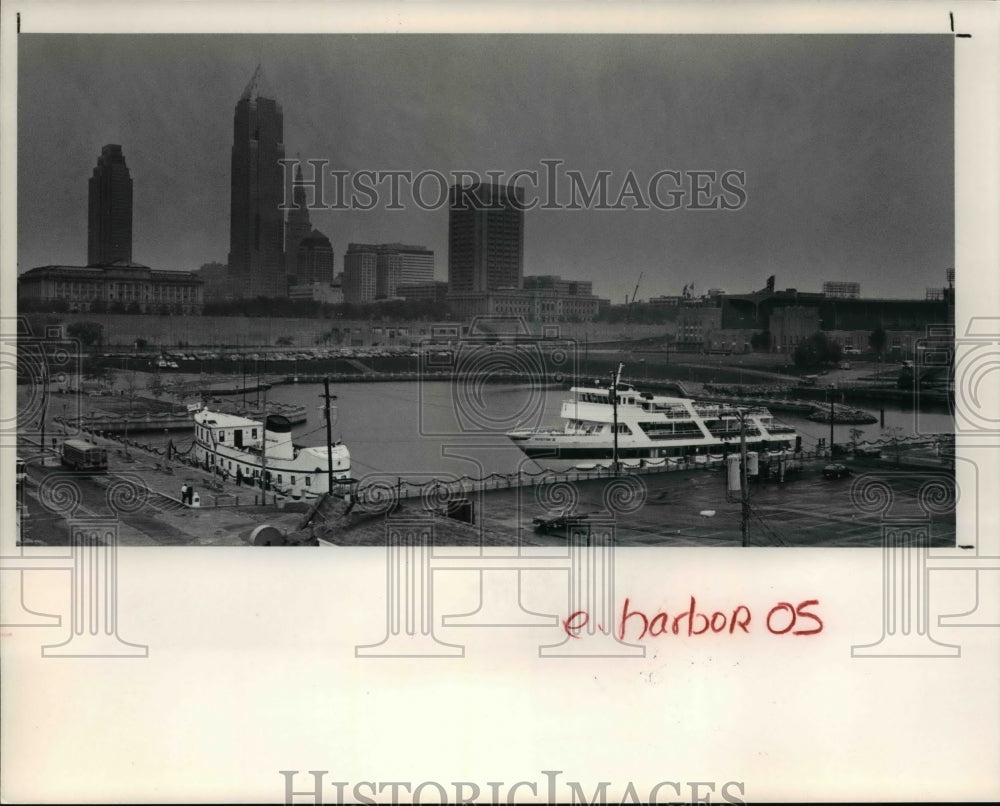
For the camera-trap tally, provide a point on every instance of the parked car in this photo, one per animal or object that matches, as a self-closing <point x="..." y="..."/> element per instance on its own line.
<point x="836" y="471"/>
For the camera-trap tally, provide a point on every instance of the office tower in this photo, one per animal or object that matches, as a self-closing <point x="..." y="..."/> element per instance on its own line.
<point x="396" y="265"/>
<point x="416" y="263"/>
<point x="256" y="223"/>
<point x="400" y="264"/>
<point x="314" y="259"/>
<point x="360" y="262"/>
<point x="387" y="271"/>
<point x="485" y="238"/>
<point x="109" y="231"/>
<point x="297" y="227"/>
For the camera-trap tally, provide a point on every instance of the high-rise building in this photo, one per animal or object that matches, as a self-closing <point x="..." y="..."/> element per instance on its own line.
<point x="256" y="222"/>
<point x="388" y="268"/>
<point x="109" y="231"/>
<point x="297" y="227"/>
<point x="314" y="259"/>
<point x="360" y="262"/>
<point x="416" y="263"/>
<point x="397" y="264"/>
<point x="485" y="238"/>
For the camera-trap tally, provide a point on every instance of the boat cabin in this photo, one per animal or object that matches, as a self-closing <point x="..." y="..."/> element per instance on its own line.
<point x="216" y="428"/>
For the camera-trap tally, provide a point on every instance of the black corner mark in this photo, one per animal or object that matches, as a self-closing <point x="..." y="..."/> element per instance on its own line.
<point x="19" y="22"/>
<point x="951" y="21"/>
<point x="964" y="36"/>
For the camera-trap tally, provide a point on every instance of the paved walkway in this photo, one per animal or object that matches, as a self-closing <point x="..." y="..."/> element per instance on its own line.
<point x="164" y="519"/>
<point x="684" y="508"/>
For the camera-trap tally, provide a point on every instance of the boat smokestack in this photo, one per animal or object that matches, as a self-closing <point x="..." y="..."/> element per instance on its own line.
<point x="278" y="433"/>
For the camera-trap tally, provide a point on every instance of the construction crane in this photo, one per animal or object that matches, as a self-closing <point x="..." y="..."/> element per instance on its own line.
<point x="631" y="302"/>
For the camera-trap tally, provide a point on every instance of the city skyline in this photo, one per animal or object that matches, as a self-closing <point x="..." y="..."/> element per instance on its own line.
<point x="485" y="238"/>
<point x="298" y="227"/>
<point x="846" y="143"/>
<point x="257" y="224"/>
<point x="109" y="209"/>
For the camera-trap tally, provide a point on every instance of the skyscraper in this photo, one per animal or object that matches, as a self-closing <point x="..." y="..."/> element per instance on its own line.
<point x="256" y="222"/>
<point x="297" y="227"/>
<point x="397" y="264"/>
<point x="416" y="263"/>
<point x="360" y="261"/>
<point x="109" y="219"/>
<point x="314" y="259"/>
<point x="485" y="238"/>
<point x="387" y="271"/>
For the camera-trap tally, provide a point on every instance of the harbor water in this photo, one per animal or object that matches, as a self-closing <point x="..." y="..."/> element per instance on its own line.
<point x="437" y="427"/>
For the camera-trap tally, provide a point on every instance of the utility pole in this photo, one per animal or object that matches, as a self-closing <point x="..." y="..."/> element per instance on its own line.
<point x="45" y="411"/>
<point x="263" y="451"/>
<point x="744" y="492"/>
<point x="329" y="438"/>
<point x="615" y="376"/>
<point x="831" y="424"/>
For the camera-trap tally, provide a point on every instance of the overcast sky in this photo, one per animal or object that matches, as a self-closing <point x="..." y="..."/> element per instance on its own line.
<point x="846" y="143"/>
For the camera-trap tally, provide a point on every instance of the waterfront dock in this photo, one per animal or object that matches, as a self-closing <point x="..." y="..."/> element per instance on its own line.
<point x="687" y="506"/>
<point x="116" y="414"/>
<point x="683" y="508"/>
<point x="684" y="505"/>
<point x="144" y="475"/>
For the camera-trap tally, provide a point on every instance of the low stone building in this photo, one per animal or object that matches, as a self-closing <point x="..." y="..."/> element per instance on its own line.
<point x="121" y="287"/>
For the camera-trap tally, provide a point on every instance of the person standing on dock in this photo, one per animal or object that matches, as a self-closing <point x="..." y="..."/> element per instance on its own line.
<point x="239" y="476"/>
<point x="184" y="493"/>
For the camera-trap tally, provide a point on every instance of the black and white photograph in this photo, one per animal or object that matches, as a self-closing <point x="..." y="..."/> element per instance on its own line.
<point x="307" y="281"/>
<point x="480" y="403"/>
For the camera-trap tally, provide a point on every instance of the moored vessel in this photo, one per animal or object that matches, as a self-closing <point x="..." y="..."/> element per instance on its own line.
<point x="651" y="430"/>
<point x="262" y="453"/>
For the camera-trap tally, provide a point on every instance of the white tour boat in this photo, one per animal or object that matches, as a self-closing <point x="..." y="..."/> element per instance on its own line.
<point x="240" y="447"/>
<point x="652" y="430"/>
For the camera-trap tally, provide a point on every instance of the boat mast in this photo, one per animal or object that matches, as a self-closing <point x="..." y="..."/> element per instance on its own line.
<point x="329" y="437"/>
